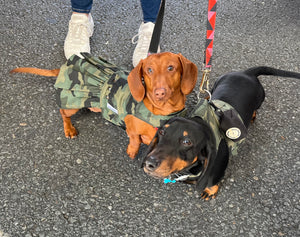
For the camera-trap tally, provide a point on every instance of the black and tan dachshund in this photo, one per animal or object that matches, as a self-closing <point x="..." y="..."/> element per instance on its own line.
<point x="196" y="149"/>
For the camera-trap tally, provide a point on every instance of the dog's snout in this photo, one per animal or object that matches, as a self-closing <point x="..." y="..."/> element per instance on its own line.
<point x="151" y="163"/>
<point x="160" y="93"/>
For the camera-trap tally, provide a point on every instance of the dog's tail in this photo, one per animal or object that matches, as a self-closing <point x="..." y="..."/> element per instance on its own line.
<point x="36" y="71"/>
<point x="257" y="71"/>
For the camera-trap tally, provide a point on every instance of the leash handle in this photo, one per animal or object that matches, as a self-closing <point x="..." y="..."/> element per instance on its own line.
<point x="157" y="29"/>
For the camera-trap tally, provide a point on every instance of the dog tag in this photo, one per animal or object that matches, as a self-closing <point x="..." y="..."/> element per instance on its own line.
<point x="169" y="181"/>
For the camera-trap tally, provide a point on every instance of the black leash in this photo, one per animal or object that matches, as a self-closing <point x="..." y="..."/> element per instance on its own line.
<point x="154" y="43"/>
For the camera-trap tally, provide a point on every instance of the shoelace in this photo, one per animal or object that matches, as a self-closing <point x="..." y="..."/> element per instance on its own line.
<point x="133" y="39"/>
<point x="144" y="37"/>
<point x="80" y="30"/>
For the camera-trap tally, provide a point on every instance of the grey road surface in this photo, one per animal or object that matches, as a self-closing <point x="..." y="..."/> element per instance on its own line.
<point x="51" y="186"/>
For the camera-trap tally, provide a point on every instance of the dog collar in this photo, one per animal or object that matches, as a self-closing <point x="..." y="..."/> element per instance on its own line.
<point x="179" y="178"/>
<point x="191" y="173"/>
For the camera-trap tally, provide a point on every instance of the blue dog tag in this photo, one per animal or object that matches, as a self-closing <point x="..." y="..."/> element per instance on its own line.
<point x="169" y="181"/>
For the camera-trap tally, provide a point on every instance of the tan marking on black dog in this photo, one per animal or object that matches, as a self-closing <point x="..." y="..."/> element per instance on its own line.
<point x="210" y="192"/>
<point x="169" y="166"/>
<point x="195" y="159"/>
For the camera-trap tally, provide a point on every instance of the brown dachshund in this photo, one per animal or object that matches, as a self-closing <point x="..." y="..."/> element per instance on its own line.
<point x="196" y="149"/>
<point x="161" y="82"/>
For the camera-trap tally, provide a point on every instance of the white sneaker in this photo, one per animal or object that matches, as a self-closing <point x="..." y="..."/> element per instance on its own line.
<point x="81" y="28"/>
<point x="143" y="42"/>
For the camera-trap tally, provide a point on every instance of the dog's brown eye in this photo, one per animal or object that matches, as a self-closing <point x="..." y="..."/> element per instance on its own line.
<point x="186" y="142"/>
<point x="170" y="68"/>
<point x="150" y="70"/>
<point x="161" y="132"/>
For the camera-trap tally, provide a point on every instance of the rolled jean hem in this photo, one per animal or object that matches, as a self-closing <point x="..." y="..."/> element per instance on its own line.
<point x="80" y="10"/>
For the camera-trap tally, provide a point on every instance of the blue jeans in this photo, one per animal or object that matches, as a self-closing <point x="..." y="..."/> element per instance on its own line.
<point x="149" y="7"/>
<point x="81" y="6"/>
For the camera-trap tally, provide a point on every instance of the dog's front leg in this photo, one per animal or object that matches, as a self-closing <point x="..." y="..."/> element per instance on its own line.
<point x="132" y="128"/>
<point x="138" y="132"/>
<point x="69" y="129"/>
<point x="134" y="145"/>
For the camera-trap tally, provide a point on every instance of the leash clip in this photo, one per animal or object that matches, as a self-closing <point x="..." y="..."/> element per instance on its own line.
<point x="204" y="85"/>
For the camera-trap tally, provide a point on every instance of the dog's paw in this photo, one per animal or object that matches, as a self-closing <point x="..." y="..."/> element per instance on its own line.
<point x="210" y="193"/>
<point x="132" y="152"/>
<point x="253" y="116"/>
<point x="71" y="132"/>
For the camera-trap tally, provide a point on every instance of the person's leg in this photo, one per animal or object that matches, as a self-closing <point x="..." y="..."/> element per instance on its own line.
<point x="150" y="10"/>
<point x="82" y="6"/>
<point x="80" y="30"/>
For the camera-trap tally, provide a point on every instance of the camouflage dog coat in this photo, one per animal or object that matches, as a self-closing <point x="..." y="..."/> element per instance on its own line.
<point x="224" y="121"/>
<point x="93" y="82"/>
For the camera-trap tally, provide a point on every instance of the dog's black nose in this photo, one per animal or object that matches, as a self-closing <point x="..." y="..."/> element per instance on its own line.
<point x="151" y="163"/>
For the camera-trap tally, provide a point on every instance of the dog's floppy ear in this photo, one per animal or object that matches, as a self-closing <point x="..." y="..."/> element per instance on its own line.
<point x="206" y="155"/>
<point x="189" y="75"/>
<point x="135" y="82"/>
<point x="216" y="166"/>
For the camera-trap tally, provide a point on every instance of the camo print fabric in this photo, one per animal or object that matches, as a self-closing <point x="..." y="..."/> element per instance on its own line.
<point x="94" y="82"/>
<point x="207" y="112"/>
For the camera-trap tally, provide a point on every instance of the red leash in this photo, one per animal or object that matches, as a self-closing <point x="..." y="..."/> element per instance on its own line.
<point x="210" y="31"/>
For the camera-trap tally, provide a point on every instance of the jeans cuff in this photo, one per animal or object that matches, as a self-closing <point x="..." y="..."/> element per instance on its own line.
<point x="80" y="10"/>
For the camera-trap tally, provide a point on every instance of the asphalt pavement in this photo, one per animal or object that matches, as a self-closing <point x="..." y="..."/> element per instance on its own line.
<point x="52" y="186"/>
